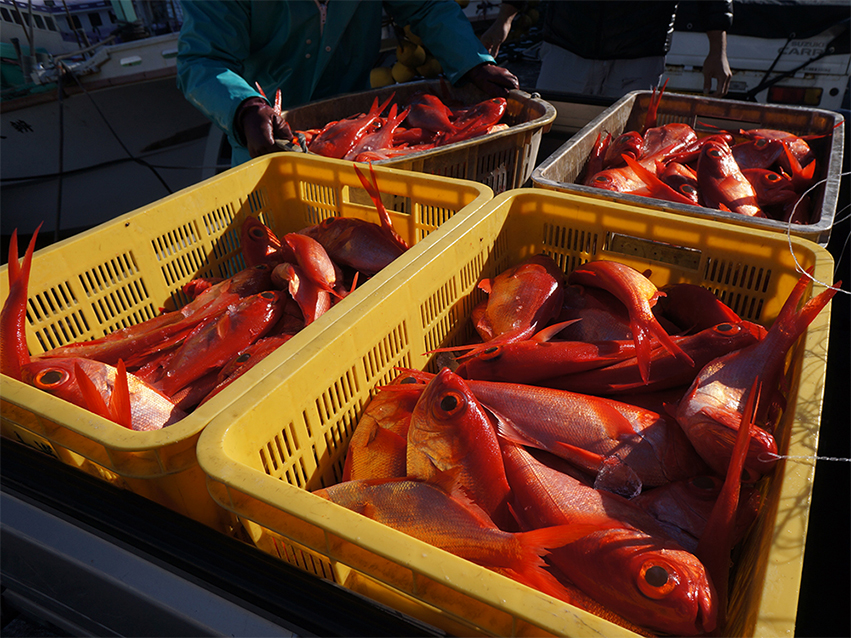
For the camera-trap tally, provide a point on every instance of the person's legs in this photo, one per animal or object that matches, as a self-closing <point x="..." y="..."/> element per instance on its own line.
<point x="565" y="72"/>
<point x="639" y="74"/>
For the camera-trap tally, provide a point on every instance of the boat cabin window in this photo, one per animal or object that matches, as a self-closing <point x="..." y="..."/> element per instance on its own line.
<point x="95" y="19"/>
<point x="16" y="17"/>
<point x="51" y="26"/>
<point x="38" y="21"/>
<point x="5" y="13"/>
<point x="74" y="22"/>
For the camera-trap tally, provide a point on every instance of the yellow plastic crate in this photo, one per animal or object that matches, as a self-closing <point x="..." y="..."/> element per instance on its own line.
<point x="502" y="160"/>
<point x="561" y="169"/>
<point x="267" y="450"/>
<point x="123" y="271"/>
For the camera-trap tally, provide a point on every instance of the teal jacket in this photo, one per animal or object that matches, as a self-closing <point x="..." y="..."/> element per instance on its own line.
<point x="226" y="46"/>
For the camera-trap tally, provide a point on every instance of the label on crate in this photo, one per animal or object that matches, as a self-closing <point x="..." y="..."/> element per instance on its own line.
<point x="32" y="440"/>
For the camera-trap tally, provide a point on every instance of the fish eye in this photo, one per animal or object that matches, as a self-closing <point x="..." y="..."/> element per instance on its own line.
<point x="245" y="356"/>
<point x="688" y="189"/>
<point x="773" y="177"/>
<point x="655" y="580"/>
<point x="491" y="353"/>
<point x="725" y="328"/>
<point x="603" y="179"/>
<point x="51" y="378"/>
<point x="450" y="402"/>
<point x="713" y="152"/>
<point x="408" y="380"/>
<point x="267" y="294"/>
<point x="761" y="142"/>
<point x="256" y="233"/>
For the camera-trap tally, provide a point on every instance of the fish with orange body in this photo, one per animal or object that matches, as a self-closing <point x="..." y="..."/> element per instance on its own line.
<point x="588" y="431"/>
<point x="722" y="184"/>
<point x="521" y="300"/>
<point x="98" y="387"/>
<point x="379" y="444"/>
<point x="451" y="433"/>
<point x="428" y="513"/>
<point x="643" y="576"/>
<point x="639" y="295"/>
<point x="711" y="410"/>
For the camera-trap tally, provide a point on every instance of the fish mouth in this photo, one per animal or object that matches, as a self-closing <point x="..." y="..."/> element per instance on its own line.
<point x="707" y="613"/>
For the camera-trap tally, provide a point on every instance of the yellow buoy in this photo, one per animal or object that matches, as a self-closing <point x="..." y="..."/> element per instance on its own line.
<point x="381" y="76"/>
<point x="402" y="72"/>
<point x="410" y="54"/>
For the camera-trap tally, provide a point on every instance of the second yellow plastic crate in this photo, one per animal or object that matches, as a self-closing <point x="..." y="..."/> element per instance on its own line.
<point x="122" y="272"/>
<point x="267" y="450"/>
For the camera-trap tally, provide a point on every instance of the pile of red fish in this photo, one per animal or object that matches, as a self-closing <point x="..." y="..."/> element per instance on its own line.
<point x="600" y="443"/>
<point x="152" y="374"/>
<point x="421" y="123"/>
<point x="758" y="172"/>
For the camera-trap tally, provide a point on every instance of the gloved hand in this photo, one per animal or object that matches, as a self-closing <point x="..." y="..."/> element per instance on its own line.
<point x="493" y="80"/>
<point x="260" y="125"/>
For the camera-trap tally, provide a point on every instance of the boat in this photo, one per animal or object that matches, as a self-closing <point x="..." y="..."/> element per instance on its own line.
<point x="92" y="122"/>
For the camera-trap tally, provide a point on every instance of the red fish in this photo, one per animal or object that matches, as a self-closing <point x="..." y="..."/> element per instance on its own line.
<point x="694" y="308"/>
<point x="260" y="245"/>
<point x="217" y="340"/>
<point x="666" y="371"/>
<point x="639" y="295"/>
<point x="521" y="300"/>
<point x="381" y="138"/>
<point x="312" y="300"/>
<point x="378" y="447"/>
<point x="98" y="387"/>
<point x="338" y="139"/>
<point x="711" y="410"/>
<point x="451" y="433"/>
<point x="643" y="576"/>
<point x="155" y="334"/>
<point x="428" y="513"/>
<point x="722" y="184"/>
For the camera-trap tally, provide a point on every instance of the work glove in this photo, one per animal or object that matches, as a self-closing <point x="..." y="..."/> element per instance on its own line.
<point x="493" y="80"/>
<point x="263" y="129"/>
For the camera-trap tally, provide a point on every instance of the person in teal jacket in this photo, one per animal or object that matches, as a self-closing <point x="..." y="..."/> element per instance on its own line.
<point x="311" y="50"/>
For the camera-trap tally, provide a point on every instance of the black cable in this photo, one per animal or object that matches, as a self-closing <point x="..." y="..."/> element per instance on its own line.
<point x="118" y="139"/>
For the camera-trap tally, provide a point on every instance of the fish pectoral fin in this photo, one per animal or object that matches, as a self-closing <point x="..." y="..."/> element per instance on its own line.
<point x="583" y="458"/>
<point x="506" y="429"/>
<point x="119" y="402"/>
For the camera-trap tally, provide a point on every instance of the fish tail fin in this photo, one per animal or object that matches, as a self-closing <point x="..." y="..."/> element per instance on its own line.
<point x="14" y="353"/>
<point x="792" y="321"/>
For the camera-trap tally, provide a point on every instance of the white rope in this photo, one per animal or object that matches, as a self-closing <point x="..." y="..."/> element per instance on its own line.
<point x="798" y="266"/>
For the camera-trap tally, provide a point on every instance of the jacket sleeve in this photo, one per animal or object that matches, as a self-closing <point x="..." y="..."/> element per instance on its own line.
<point x="214" y="38"/>
<point x="445" y="31"/>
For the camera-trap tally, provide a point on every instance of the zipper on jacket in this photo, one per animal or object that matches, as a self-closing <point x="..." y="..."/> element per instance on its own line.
<point x="322" y="5"/>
